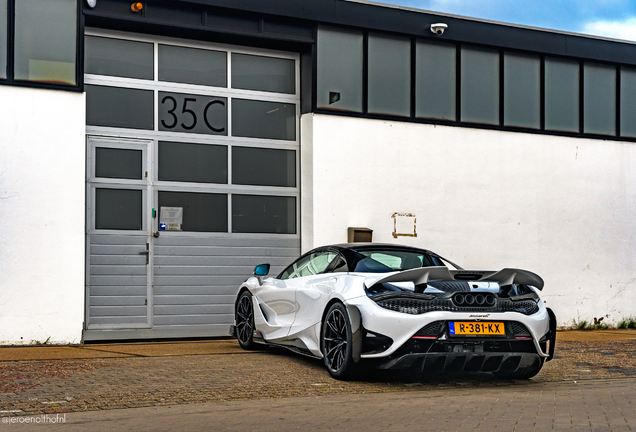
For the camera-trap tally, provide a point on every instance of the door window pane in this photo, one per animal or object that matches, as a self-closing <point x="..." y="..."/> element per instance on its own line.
<point x="260" y="119"/>
<point x="3" y="39"/>
<point x="263" y="214"/>
<point x="118" y="163"/>
<point x="119" y="107"/>
<point x="250" y="72"/>
<point x="480" y="86"/>
<point x="389" y="75"/>
<point x="435" y="82"/>
<point x="522" y="90"/>
<point x="119" y="209"/>
<point x="339" y="75"/>
<point x="46" y="41"/>
<point x="199" y="163"/>
<point x="628" y="102"/>
<point x="118" y="57"/>
<point x="561" y="95"/>
<point x="294" y="270"/>
<point x="599" y="99"/>
<point x="192" y="66"/>
<point x="311" y="265"/>
<point x="320" y="261"/>
<point x="202" y="212"/>
<point x="192" y="113"/>
<point x="263" y="167"/>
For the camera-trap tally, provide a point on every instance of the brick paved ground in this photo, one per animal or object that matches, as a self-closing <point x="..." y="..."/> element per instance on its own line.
<point x="591" y="405"/>
<point x="32" y="387"/>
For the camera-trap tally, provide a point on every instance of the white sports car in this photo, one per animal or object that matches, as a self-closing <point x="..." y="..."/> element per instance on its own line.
<point x="398" y="307"/>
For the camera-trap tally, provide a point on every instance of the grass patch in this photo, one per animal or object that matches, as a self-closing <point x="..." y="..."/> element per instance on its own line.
<point x="588" y="325"/>
<point x="627" y="323"/>
<point x="581" y="325"/>
<point x="600" y="326"/>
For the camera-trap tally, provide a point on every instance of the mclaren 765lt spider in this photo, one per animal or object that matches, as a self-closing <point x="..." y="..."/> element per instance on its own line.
<point x="398" y="307"/>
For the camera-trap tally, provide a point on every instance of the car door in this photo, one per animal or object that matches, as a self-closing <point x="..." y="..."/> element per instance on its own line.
<point x="315" y="290"/>
<point x="277" y="299"/>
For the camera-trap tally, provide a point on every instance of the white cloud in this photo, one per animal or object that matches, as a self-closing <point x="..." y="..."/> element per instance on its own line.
<point x="625" y="29"/>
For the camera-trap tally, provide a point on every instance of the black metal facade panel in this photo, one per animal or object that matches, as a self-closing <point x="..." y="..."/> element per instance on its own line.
<point x="415" y="23"/>
<point x="165" y="11"/>
<point x="614" y="52"/>
<point x="182" y="19"/>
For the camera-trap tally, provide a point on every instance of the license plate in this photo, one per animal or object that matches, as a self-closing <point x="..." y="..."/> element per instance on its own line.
<point x="467" y="328"/>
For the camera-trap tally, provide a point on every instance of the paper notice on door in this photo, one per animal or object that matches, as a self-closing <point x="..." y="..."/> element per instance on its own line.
<point x="170" y="218"/>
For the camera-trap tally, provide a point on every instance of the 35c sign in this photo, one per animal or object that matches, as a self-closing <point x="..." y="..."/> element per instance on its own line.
<point x="180" y="112"/>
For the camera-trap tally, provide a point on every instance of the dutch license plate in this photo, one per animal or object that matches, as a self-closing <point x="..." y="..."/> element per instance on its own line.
<point x="460" y="328"/>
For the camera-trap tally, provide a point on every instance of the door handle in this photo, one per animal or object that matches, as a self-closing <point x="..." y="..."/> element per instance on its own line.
<point x="147" y="253"/>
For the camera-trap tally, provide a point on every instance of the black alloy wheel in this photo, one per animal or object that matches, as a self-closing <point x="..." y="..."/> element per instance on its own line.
<point x="335" y="342"/>
<point x="245" y="321"/>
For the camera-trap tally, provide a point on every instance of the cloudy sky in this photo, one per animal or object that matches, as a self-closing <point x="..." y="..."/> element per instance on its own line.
<point x="610" y="18"/>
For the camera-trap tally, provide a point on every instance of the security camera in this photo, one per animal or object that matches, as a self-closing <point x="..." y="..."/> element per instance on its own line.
<point x="439" y="28"/>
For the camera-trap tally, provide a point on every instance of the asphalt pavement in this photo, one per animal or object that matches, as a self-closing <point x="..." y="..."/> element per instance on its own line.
<point x="593" y="405"/>
<point x="214" y="385"/>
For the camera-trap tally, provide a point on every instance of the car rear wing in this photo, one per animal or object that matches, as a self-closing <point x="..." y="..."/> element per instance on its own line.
<point x="422" y="275"/>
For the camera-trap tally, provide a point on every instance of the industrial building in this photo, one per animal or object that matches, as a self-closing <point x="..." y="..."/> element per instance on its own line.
<point x="152" y="153"/>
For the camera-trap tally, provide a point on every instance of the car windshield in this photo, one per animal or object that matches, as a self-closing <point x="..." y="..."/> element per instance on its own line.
<point x="390" y="260"/>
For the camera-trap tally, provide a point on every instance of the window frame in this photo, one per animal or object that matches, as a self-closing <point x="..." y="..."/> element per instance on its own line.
<point x="79" y="55"/>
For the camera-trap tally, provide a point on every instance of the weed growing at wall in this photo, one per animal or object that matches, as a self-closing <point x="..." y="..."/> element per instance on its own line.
<point x="598" y="324"/>
<point x="627" y="323"/>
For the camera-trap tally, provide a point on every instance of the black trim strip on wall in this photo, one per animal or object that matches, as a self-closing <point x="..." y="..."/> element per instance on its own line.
<point x="10" y="39"/>
<point x="314" y="73"/>
<point x="501" y="87"/>
<point x="365" y="72"/>
<point x="458" y="83"/>
<point x="471" y="125"/>
<point x="79" y="64"/>
<point x="581" y="97"/>
<point x="542" y="90"/>
<point x="618" y="101"/>
<point x="413" y="83"/>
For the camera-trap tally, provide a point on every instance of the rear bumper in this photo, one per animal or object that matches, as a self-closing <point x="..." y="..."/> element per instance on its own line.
<point x="462" y="362"/>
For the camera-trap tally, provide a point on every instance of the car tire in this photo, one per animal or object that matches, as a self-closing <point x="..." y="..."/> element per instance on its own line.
<point x="336" y="342"/>
<point x="244" y="319"/>
<point x="521" y="373"/>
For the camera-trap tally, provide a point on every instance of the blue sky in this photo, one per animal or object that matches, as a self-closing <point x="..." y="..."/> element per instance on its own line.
<point x="609" y="18"/>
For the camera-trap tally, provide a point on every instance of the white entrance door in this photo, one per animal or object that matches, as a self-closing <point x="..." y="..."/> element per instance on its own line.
<point x="119" y="236"/>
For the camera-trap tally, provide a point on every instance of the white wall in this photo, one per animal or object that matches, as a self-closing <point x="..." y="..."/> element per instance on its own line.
<point x="564" y="208"/>
<point x="42" y="184"/>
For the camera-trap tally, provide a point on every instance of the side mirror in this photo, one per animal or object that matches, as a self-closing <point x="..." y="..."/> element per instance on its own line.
<point x="261" y="270"/>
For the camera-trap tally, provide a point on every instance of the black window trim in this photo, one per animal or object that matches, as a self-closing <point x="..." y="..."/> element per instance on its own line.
<point x="79" y="55"/>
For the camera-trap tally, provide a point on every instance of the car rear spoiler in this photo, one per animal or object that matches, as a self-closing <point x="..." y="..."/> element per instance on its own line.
<point x="422" y="275"/>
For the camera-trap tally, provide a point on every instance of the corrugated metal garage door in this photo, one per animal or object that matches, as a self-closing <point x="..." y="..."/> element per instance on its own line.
<point x="192" y="180"/>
